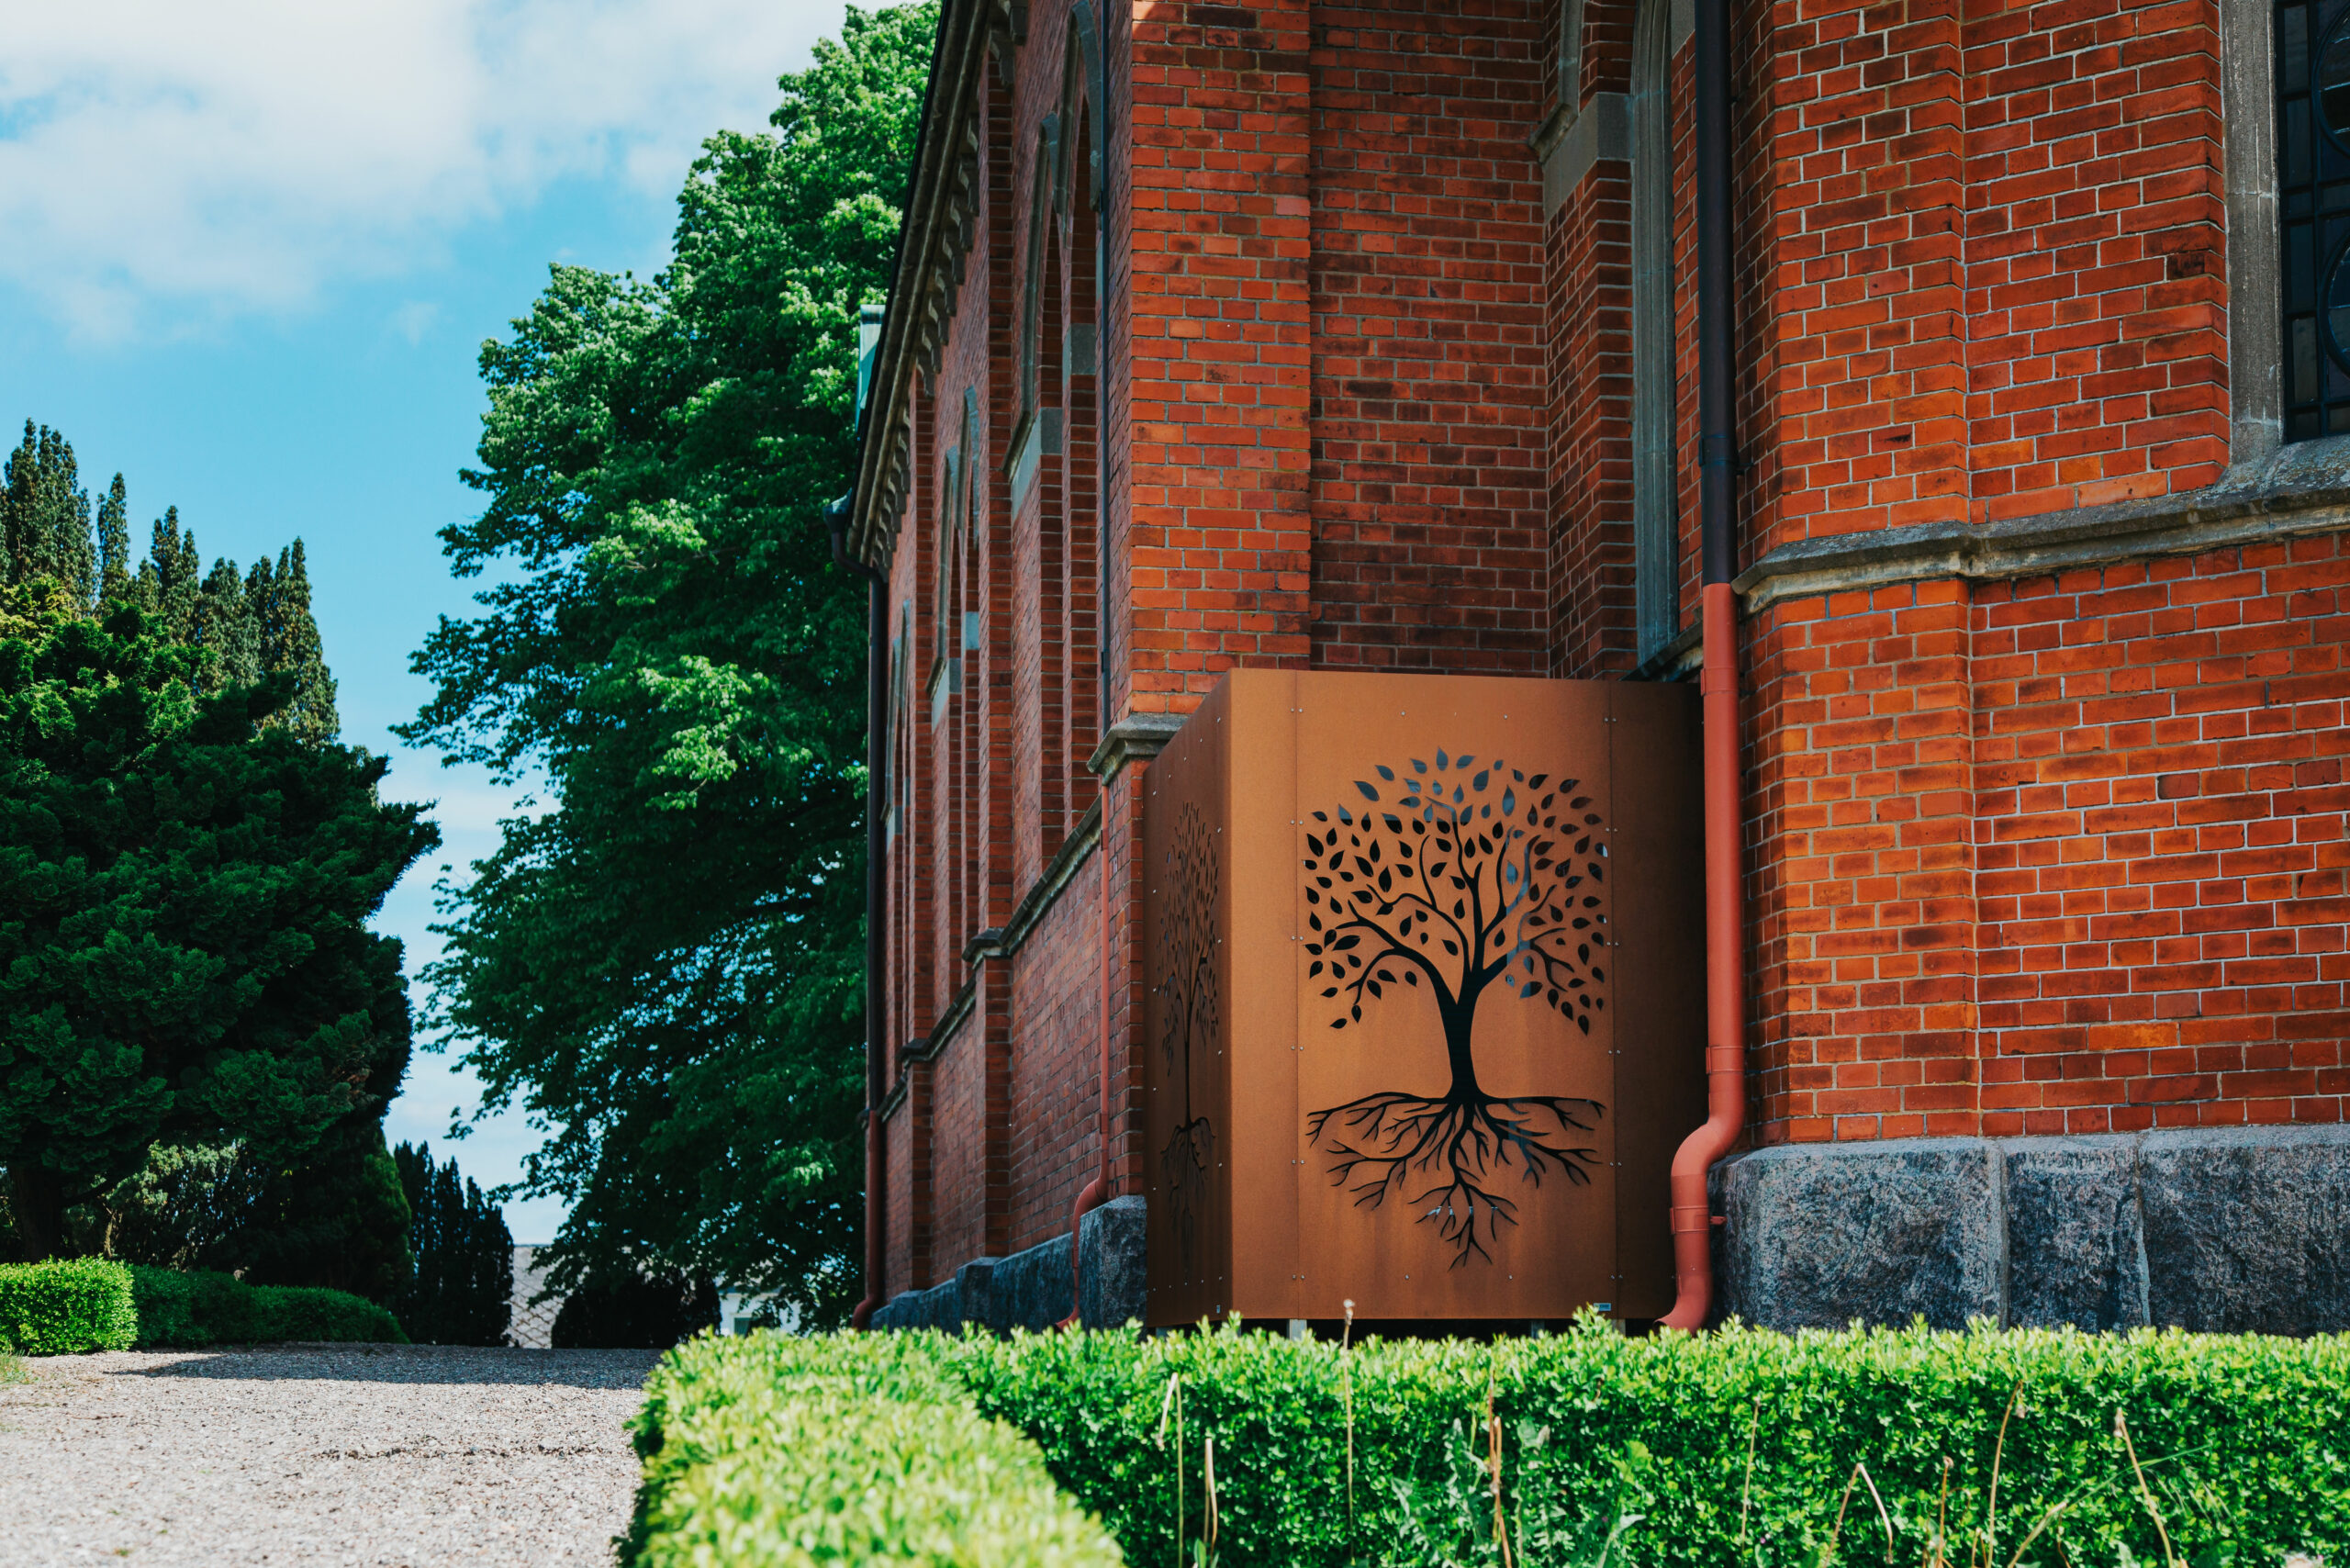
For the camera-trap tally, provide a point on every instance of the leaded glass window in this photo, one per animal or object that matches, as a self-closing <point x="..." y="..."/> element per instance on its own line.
<point x="2313" y="209"/>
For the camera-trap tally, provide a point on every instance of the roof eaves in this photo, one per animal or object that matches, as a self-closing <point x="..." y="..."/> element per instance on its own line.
<point x="931" y="245"/>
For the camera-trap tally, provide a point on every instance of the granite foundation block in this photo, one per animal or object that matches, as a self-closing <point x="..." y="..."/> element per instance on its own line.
<point x="2236" y="1229"/>
<point x="1035" y="1289"/>
<point x="1110" y="1254"/>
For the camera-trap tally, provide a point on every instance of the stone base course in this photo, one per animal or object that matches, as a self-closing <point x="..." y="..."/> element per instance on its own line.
<point x="2234" y="1230"/>
<point x="1031" y="1290"/>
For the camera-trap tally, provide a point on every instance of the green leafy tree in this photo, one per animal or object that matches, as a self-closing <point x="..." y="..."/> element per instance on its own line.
<point x="174" y="1212"/>
<point x="460" y="1290"/>
<point x="184" y="899"/>
<point x="666" y="966"/>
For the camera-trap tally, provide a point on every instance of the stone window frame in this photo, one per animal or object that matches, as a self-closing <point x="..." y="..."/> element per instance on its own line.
<point x="1656" y="572"/>
<point x="1571" y="55"/>
<point x="2255" y="301"/>
<point x="2254" y="254"/>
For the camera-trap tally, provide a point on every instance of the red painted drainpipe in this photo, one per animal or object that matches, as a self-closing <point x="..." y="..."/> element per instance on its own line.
<point x="1097" y="1192"/>
<point x="1693" y="1221"/>
<point x="1692" y="1265"/>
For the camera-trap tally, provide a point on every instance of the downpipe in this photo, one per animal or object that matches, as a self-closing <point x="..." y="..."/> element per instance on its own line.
<point x="1692" y="1213"/>
<point x="876" y="699"/>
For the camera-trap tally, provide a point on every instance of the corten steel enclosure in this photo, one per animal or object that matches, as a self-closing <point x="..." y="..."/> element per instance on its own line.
<point x="1425" y="1019"/>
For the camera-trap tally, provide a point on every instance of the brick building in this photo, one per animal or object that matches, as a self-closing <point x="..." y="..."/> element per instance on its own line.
<point x="1327" y="339"/>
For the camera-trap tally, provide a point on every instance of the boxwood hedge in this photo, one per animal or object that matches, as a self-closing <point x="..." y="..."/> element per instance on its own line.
<point x="1738" y="1447"/>
<point x="88" y="1303"/>
<point x="66" y="1308"/>
<point x="188" y="1309"/>
<point x="742" y="1465"/>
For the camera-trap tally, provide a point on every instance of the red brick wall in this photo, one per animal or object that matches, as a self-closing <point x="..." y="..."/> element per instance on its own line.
<point x="1589" y="267"/>
<point x="1056" y="1062"/>
<point x="1006" y="1077"/>
<point x="2060" y="854"/>
<point x="2096" y="294"/>
<point x="1994" y="251"/>
<point x="1218" y="317"/>
<point x="2054" y="855"/>
<point x="1427" y="421"/>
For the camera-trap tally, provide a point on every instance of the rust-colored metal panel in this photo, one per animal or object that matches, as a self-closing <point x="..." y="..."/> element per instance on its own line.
<point x="1660" y="946"/>
<point x="1184" y="944"/>
<point x="1453" y="1029"/>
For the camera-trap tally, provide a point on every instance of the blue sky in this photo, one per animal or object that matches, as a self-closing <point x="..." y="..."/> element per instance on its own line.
<point x="253" y="249"/>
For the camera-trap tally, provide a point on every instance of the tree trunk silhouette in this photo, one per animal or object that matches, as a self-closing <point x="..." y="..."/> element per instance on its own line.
<point x="1453" y="896"/>
<point x="1187" y="963"/>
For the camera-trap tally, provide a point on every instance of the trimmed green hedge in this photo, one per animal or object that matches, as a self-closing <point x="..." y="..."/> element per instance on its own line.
<point x="1637" y="1449"/>
<point x="66" y="1308"/>
<point x="189" y="1309"/>
<point x="743" y="1466"/>
<point x="89" y="1303"/>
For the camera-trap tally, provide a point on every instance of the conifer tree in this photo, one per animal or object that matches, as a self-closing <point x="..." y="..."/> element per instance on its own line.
<point x="114" y="544"/>
<point x="21" y="505"/>
<point x="460" y="1291"/>
<point x="335" y="1219"/>
<point x="92" y="638"/>
<point x="46" y="515"/>
<point x="169" y="577"/>
<point x="185" y="896"/>
<point x="280" y="598"/>
<point x="225" y="626"/>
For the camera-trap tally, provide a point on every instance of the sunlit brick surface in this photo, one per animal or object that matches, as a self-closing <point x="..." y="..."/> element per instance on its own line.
<point x="2048" y="854"/>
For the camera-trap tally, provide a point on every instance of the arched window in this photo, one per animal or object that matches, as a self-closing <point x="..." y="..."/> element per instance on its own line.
<point x="1656" y="571"/>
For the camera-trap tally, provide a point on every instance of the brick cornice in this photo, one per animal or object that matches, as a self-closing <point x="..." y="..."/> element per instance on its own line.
<point x="2300" y="492"/>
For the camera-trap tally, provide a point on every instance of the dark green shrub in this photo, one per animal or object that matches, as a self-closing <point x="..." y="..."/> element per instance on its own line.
<point x="630" y="1311"/>
<point x="460" y="1290"/>
<point x="189" y="1310"/>
<point x="743" y="1466"/>
<point x="335" y="1219"/>
<point x="65" y="1308"/>
<point x="175" y="1211"/>
<point x="1648" y="1440"/>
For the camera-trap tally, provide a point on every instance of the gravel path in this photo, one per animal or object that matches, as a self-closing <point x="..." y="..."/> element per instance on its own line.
<point x="391" y="1455"/>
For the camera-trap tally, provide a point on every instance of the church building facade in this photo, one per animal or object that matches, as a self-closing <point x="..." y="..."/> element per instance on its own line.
<point x="1339" y="346"/>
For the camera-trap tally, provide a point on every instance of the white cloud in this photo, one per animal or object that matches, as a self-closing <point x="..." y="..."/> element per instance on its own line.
<point x="413" y="319"/>
<point x="162" y="162"/>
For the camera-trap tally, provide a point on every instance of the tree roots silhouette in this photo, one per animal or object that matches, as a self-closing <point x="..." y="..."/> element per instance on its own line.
<point x="1453" y="1148"/>
<point x="1183" y="1176"/>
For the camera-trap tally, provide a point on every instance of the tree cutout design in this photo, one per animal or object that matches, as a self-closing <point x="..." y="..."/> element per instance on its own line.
<point x="1470" y="880"/>
<point x="1187" y="1018"/>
